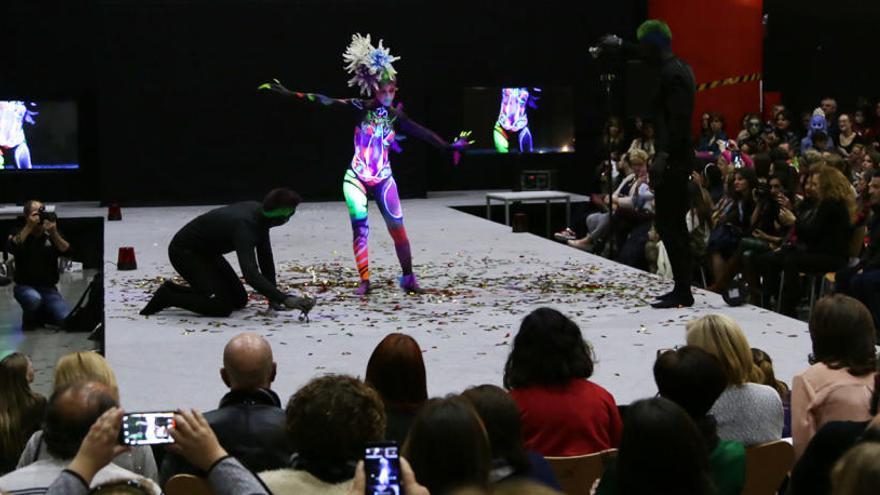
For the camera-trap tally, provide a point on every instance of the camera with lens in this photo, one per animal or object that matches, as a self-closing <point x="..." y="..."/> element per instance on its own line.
<point x="47" y="215"/>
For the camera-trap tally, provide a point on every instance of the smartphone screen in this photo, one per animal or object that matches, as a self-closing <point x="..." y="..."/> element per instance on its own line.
<point x="147" y="428"/>
<point x="382" y="468"/>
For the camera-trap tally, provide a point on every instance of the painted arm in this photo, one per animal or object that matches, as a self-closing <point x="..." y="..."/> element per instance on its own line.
<point x="276" y="87"/>
<point x="413" y="128"/>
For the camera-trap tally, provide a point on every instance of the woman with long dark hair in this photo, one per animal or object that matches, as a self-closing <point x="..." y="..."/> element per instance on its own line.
<point x="21" y="409"/>
<point x="396" y="370"/>
<point x="547" y="374"/>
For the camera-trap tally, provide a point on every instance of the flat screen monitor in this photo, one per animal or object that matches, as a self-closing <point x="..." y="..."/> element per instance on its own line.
<point x="520" y="119"/>
<point x="39" y="135"/>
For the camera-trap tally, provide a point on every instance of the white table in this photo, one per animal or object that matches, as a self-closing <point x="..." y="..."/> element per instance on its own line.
<point x="529" y="197"/>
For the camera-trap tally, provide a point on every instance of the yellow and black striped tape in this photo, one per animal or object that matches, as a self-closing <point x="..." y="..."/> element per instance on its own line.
<point x="730" y="81"/>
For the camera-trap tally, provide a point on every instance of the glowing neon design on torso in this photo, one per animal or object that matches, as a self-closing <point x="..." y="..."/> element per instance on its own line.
<point x="12" y="123"/>
<point x="372" y="138"/>
<point x="512" y="116"/>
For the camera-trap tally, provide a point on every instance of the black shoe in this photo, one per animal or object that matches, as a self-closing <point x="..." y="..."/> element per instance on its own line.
<point x="675" y="301"/>
<point x="29" y="321"/>
<point x="665" y="296"/>
<point x="158" y="302"/>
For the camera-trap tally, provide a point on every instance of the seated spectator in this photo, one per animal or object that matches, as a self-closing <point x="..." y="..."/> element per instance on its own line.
<point x="448" y="447"/>
<point x="652" y="430"/>
<point x="871" y="161"/>
<point x="823" y="232"/>
<point x="848" y="137"/>
<point x="765" y="364"/>
<point x="90" y="366"/>
<point x="817" y="128"/>
<point x="812" y="473"/>
<point x="782" y="123"/>
<point x="747" y="412"/>
<point x="613" y="144"/>
<point x="249" y="422"/>
<point x="21" y="409"/>
<point x="840" y="383"/>
<point x="645" y="141"/>
<point x="713" y="182"/>
<point x="396" y="370"/>
<point x="733" y="223"/>
<point x="632" y="201"/>
<point x="193" y="440"/>
<point x="510" y="459"/>
<point x="547" y="371"/>
<point x="862" y="279"/>
<point x="329" y="420"/>
<point x="37" y="247"/>
<point x="858" y="472"/>
<point x="699" y="225"/>
<point x="408" y="483"/>
<point x="709" y="141"/>
<point x="693" y="379"/>
<point x="71" y="412"/>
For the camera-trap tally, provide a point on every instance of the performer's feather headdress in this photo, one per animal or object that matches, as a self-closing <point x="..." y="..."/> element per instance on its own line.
<point x="368" y="64"/>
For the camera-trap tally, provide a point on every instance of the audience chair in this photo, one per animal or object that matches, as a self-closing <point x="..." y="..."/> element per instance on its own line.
<point x="766" y="467"/>
<point x="187" y="484"/>
<point x="577" y="474"/>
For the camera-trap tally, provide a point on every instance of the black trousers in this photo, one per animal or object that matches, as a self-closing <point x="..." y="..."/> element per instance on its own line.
<point x="791" y="263"/>
<point x="671" y="207"/>
<point x="214" y="287"/>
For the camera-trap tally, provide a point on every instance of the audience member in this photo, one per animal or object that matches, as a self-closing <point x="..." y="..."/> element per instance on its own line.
<point x="862" y="279"/>
<point x="709" y="141"/>
<point x="329" y="420"/>
<point x="840" y="383"/>
<point x="812" y="473"/>
<point x="693" y="379"/>
<point x="396" y="370"/>
<point x="547" y="372"/>
<point x="654" y="429"/>
<point x="858" y="472"/>
<point x="510" y="459"/>
<point x="448" y="447"/>
<point x="37" y="247"/>
<point x="71" y="412"/>
<point x="817" y="126"/>
<point x="613" y="142"/>
<point x="848" y="137"/>
<point x="194" y="441"/>
<point x="734" y="222"/>
<point x="89" y="366"/>
<point x="765" y="364"/>
<point x="249" y="423"/>
<point x="645" y="141"/>
<point x="21" y="409"/>
<point x="746" y="412"/>
<point x="408" y="483"/>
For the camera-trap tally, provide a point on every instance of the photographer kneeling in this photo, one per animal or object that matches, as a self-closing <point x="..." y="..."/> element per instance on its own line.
<point x="36" y="248"/>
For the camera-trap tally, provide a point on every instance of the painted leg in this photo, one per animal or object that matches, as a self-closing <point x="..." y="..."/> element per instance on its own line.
<point x="23" y="156"/>
<point x="525" y="140"/>
<point x="388" y="202"/>
<point x="501" y="141"/>
<point x="356" y="199"/>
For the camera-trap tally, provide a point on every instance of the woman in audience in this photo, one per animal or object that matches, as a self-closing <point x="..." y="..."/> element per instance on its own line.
<point x="510" y="460"/>
<point x="396" y="370"/>
<point x="765" y="364"/>
<point x="733" y="223"/>
<point x="447" y="446"/>
<point x="645" y="141"/>
<point x="840" y="383"/>
<point x="329" y="420"/>
<point x="547" y="371"/>
<point x="858" y="473"/>
<point x="693" y="379"/>
<point x="662" y="453"/>
<point x="848" y="137"/>
<point x="91" y="366"/>
<point x="709" y="141"/>
<point x="21" y="409"/>
<point x="747" y="412"/>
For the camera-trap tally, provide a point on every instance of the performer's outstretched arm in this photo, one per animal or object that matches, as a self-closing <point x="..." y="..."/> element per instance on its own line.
<point x="276" y="87"/>
<point x="413" y="128"/>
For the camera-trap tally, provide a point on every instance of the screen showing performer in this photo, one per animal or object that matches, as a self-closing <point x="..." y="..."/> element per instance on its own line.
<point x="38" y="135"/>
<point x="520" y="119"/>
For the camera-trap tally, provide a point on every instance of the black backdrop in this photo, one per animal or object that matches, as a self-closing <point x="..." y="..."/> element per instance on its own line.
<point x="168" y="88"/>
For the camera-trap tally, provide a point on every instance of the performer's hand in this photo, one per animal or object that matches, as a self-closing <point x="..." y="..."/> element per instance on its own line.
<point x="463" y="140"/>
<point x="274" y="86"/>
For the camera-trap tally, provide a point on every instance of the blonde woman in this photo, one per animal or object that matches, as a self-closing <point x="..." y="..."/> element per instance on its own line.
<point x="91" y="366"/>
<point x="747" y="412"/>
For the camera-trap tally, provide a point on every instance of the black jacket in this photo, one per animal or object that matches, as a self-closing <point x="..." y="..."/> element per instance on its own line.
<point x="825" y="229"/>
<point x="251" y="426"/>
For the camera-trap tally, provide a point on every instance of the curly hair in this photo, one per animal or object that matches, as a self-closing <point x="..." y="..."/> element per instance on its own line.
<point x="548" y="350"/>
<point x="833" y="186"/>
<point x="331" y="418"/>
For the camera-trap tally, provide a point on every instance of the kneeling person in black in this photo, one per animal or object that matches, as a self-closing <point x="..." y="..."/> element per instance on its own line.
<point x="197" y="250"/>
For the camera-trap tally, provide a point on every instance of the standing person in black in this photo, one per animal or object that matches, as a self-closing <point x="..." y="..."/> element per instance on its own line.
<point x="197" y="250"/>
<point x="36" y="248"/>
<point x="672" y="107"/>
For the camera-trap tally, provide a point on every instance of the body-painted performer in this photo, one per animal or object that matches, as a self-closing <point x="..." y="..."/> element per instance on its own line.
<point x="370" y="171"/>
<point x="14" y="151"/>
<point x="513" y="118"/>
<point x="197" y="250"/>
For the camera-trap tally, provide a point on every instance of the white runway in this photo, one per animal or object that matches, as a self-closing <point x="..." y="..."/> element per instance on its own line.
<point x="485" y="277"/>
